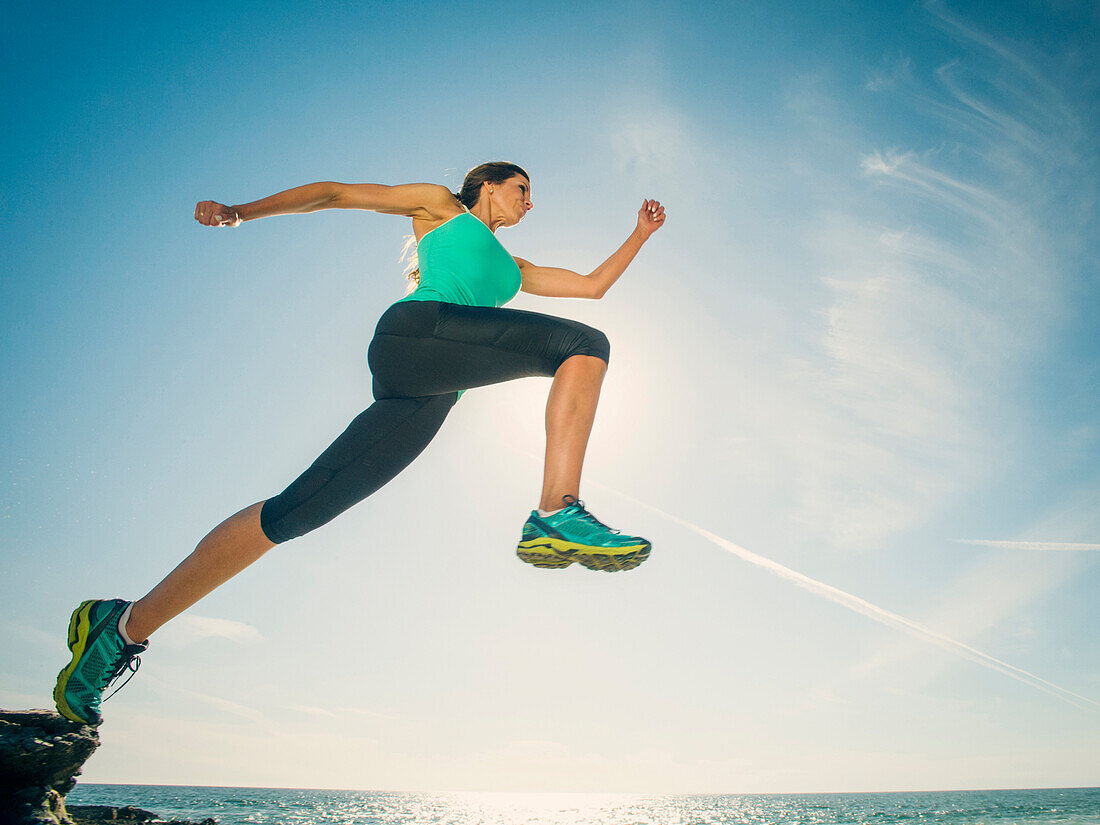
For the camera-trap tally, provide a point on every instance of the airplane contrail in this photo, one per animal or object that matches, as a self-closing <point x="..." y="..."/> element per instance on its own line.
<point x="1053" y="546"/>
<point x="872" y="611"/>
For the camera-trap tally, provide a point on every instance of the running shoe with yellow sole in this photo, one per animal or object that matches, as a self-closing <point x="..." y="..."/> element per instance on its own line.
<point x="575" y="535"/>
<point x="100" y="656"/>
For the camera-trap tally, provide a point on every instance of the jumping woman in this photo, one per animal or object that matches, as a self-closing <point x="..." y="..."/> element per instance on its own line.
<point x="449" y="335"/>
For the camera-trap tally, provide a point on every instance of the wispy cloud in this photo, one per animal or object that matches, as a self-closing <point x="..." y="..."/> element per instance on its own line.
<point x="896" y="409"/>
<point x="190" y="628"/>
<point x="895" y="72"/>
<point x="1031" y="545"/>
<point x="13" y="699"/>
<point x="336" y="712"/>
<point x="941" y="189"/>
<point x="650" y="137"/>
<point x="309" y="710"/>
<point x="362" y="712"/>
<point x="657" y="141"/>
<point x="218" y="702"/>
<point x="943" y="279"/>
<point x="1021" y="80"/>
<point x="35" y="637"/>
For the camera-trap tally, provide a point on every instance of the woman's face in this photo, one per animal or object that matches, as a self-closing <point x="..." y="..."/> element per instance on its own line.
<point x="511" y="199"/>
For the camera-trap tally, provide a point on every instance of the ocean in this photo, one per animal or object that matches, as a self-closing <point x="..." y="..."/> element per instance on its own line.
<point x="282" y="806"/>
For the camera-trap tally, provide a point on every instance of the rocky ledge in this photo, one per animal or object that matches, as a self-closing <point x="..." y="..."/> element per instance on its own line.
<point x="98" y="814"/>
<point x="41" y="754"/>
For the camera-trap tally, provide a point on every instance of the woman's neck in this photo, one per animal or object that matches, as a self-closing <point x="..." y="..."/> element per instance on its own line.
<point x="482" y="210"/>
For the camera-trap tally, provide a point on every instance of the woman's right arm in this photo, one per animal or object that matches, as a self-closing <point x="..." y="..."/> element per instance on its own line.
<point x="425" y="201"/>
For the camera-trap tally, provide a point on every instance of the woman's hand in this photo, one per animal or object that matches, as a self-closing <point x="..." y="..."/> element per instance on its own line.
<point x="212" y="213"/>
<point x="564" y="283"/>
<point x="651" y="217"/>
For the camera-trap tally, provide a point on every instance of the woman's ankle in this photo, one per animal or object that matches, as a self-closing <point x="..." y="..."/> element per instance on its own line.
<point x="553" y="503"/>
<point x="131" y="627"/>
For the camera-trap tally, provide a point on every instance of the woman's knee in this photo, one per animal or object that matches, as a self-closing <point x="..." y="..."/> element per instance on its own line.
<point x="590" y="341"/>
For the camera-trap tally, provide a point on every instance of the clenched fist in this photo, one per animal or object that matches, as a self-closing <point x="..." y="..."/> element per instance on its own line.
<point x="212" y="213"/>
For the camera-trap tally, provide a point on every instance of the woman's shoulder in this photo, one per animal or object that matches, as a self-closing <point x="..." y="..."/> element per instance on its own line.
<point x="443" y="206"/>
<point x="438" y="197"/>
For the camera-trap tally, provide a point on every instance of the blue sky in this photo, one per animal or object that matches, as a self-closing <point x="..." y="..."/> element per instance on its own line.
<point x="864" y="341"/>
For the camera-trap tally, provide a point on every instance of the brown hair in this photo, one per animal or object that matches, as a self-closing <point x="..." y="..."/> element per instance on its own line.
<point x="496" y="171"/>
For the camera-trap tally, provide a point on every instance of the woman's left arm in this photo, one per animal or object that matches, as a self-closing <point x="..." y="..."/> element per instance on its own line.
<point x="564" y="283"/>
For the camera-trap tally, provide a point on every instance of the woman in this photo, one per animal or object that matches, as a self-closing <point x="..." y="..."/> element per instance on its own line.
<point x="448" y="335"/>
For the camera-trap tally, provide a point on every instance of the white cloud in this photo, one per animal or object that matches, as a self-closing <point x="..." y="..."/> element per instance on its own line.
<point x="896" y="399"/>
<point x="883" y="163"/>
<point x="895" y="72"/>
<point x="190" y="628"/>
<point x="362" y="712"/>
<point x="310" y="710"/>
<point x="653" y="140"/>
<point x="1027" y="85"/>
<point x="941" y="282"/>
<point x="650" y="137"/>
<point x="1011" y="112"/>
<point x="225" y="705"/>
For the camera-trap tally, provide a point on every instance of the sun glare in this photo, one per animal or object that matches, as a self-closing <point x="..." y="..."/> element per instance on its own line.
<point x="538" y="808"/>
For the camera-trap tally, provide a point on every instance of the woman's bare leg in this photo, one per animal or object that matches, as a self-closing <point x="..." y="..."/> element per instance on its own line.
<point x="227" y="550"/>
<point x="570" y="411"/>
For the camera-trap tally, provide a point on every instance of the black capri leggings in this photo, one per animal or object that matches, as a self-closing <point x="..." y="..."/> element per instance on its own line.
<point x="422" y="355"/>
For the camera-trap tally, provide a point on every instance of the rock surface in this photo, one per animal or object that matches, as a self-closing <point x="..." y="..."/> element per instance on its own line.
<point x="98" y="814"/>
<point x="41" y="754"/>
<point x="107" y="813"/>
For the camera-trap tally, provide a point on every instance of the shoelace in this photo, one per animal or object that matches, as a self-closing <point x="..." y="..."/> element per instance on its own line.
<point x="126" y="662"/>
<point x="587" y="516"/>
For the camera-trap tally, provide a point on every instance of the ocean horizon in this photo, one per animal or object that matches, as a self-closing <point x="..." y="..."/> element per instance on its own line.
<point x="302" y="806"/>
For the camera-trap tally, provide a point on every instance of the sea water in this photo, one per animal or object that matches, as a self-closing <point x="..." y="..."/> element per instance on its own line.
<point x="281" y="806"/>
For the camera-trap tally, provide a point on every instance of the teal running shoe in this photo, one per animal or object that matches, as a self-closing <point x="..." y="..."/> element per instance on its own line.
<point x="100" y="657"/>
<point x="575" y="535"/>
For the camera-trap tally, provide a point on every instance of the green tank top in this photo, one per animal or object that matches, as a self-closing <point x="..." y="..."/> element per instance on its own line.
<point x="462" y="262"/>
